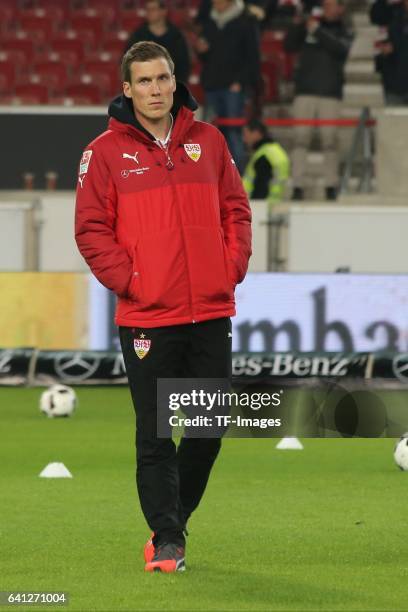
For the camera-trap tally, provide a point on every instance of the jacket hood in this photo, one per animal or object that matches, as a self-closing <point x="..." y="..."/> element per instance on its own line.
<point x="121" y="108"/>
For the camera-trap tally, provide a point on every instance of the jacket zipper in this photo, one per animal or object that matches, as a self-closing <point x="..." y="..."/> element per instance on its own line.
<point x="170" y="166"/>
<point x="165" y="149"/>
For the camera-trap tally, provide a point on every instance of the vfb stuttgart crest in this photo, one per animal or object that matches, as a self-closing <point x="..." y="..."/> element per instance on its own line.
<point x="141" y="346"/>
<point x="193" y="151"/>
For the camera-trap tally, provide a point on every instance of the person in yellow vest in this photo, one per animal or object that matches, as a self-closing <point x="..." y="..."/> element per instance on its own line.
<point x="268" y="167"/>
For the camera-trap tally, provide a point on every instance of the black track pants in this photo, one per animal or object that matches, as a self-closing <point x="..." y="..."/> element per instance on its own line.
<point x="170" y="480"/>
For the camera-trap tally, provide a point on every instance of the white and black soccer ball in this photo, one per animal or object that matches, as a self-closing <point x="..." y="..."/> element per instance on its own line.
<point x="58" y="401"/>
<point x="401" y="452"/>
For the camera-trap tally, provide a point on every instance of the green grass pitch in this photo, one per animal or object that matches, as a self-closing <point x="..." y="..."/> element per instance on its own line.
<point x="319" y="529"/>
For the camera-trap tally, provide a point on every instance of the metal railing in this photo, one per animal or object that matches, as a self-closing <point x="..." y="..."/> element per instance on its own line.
<point x="363" y="137"/>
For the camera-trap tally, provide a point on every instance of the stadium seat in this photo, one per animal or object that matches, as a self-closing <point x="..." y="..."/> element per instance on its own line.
<point x="272" y="43"/>
<point x="195" y="86"/>
<point x="196" y="67"/>
<point x="114" y="47"/>
<point x="101" y="56"/>
<point x="13" y="57"/>
<point x="83" y="94"/>
<point x="52" y="74"/>
<point x="130" y="21"/>
<point x="32" y="93"/>
<point x="286" y="62"/>
<point x="88" y="37"/>
<point x="71" y="49"/>
<point x="272" y="49"/>
<point x="98" y="81"/>
<point x="68" y="59"/>
<point x="7" y="77"/>
<point x="130" y="5"/>
<point x="83" y="20"/>
<point x="8" y="15"/>
<point x="23" y="46"/>
<point x="109" y="9"/>
<point x="7" y="100"/>
<point x="107" y="74"/>
<point x="180" y="17"/>
<point x="61" y="100"/>
<point x="65" y="5"/>
<point x="37" y="29"/>
<point x="57" y="11"/>
<point x="270" y="88"/>
<point x="271" y="72"/>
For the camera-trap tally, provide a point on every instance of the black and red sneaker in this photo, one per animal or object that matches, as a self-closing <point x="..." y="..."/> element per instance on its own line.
<point x="167" y="558"/>
<point x="148" y="550"/>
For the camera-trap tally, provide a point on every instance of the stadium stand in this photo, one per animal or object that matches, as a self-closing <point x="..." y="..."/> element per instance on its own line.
<point x="19" y="44"/>
<point x="70" y="40"/>
<point x="31" y="93"/>
<point x="72" y="47"/>
<point x="53" y="74"/>
<point x="84" y="93"/>
<point x="7" y="76"/>
<point x="68" y="52"/>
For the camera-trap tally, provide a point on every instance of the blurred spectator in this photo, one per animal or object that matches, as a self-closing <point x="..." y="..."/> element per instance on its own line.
<point x="285" y="10"/>
<point x="160" y="30"/>
<point x="257" y="8"/>
<point x="323" y="42"/>
<point x="391" y="60"/>
<point x="396" y="54"/>
<point x="228" y="47"/>
<point x="385" y="65"/>
<point x="267" y="171"/>
<point x="382" y="12"/>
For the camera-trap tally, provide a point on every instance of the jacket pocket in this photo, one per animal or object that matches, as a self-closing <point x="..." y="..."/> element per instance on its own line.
<point x="210" y="281"/>
<point x="159" y="273"/>
<point x="228" y="262"/>
<point x="134" y="290"/>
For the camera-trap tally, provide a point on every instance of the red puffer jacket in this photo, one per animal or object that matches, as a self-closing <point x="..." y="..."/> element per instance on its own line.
<point x="169" y="235"/>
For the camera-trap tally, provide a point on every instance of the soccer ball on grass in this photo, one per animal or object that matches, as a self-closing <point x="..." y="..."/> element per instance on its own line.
<point x="58" y="401"/>
<point x="401" y="452"/>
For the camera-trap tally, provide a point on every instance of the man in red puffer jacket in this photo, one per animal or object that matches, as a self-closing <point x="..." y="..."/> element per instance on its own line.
<point x="163" y="221"/>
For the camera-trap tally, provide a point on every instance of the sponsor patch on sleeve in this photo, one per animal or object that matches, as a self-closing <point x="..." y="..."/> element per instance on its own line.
<point x="84" y="163"/>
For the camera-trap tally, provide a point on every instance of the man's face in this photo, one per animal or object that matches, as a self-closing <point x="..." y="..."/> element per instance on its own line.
<point x="332" y="10"/>
<point x="250" y="137"/>
<point x="221" y="5"/>
<point x="155" y="14"/>
<point x="151" y="88"/>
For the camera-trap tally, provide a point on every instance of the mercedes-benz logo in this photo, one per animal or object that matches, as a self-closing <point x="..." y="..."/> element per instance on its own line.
<point x="73" y="367"/>
<point x="5" y="361"/>
<point x="400" y="366"/>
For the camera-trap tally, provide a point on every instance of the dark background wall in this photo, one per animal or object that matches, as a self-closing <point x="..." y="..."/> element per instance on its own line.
<point x="40" y="143"/>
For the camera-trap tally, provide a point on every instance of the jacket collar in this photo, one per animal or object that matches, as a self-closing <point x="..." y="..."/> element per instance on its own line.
<point x="182" y="123"/>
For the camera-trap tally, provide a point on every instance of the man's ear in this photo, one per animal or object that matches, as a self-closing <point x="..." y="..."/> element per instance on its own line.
<point x="127" y="89"/>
